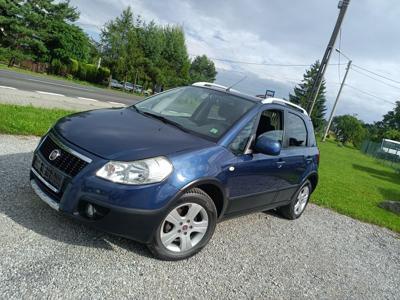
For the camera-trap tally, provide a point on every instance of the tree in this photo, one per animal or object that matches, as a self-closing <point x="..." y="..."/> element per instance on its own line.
<point x="41" y="30"/>
<point x="348" y="129"/>
<point x="388" y="128"/>
<point x="114" y="40"/>
<point x="302" y="92"/>
<point x="18" y="33"/>
<point x="202" y="69"/>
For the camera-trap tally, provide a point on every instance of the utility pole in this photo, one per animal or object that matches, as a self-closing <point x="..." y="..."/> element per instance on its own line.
<point x="336" y="101"/>
<point x="325" y="60"/>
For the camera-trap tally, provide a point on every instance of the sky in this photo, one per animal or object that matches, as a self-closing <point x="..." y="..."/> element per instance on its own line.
<point x="281" y="32"/>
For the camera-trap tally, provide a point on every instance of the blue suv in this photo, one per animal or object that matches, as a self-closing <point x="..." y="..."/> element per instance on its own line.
<point x="165" y="170"/>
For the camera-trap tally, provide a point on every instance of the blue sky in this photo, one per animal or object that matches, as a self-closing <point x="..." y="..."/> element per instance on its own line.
<point x="280" y="31"/>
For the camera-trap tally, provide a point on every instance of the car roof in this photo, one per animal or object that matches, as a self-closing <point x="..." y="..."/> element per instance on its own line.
<point x="261" y="101"/>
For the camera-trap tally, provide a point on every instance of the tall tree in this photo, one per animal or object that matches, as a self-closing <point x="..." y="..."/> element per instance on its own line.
<point x="202" y="69"/>
<point x="302" y="92"/>
<point x="41" y="30"/>
<point x="18" y="33"/>
<point x="114" y="40"/>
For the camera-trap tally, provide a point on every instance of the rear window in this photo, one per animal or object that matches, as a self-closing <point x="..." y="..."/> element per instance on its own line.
<point x="296" y="131"/>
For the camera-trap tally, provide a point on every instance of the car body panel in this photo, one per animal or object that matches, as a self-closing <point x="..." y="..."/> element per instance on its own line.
<point x="123" y="134"/>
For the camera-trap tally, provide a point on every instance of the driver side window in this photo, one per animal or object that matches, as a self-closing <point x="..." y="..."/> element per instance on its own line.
<point x="271" y="125"/>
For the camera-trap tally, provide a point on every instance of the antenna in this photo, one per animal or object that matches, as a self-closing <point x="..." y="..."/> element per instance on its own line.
<point x="236" y="83"/>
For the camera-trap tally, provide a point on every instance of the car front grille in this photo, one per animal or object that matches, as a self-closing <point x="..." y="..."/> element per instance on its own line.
<point x="67" y="162"/>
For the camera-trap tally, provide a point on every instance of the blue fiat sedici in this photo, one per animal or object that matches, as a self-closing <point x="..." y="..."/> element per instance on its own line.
<point x="165" y="170"/>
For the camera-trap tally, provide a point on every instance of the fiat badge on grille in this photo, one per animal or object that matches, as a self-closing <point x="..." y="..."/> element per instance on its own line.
<point x="54" y="154"/>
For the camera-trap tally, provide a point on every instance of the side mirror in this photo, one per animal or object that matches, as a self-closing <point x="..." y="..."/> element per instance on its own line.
<point x="267" y="146"/>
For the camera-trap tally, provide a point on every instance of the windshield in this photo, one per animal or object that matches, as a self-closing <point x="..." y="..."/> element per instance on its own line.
<point x="203" y="111"/>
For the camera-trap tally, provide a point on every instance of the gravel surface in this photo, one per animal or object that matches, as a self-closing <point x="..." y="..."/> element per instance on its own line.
<point x="321" y="255"/>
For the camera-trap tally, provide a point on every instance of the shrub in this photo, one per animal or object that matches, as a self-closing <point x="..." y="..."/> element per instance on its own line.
<point x="56" y="66"/>
<point x="73" y="67"/>
<point x="91" y="73"/>
<point x="103" y="74"/>
<point x="82" y="71"/>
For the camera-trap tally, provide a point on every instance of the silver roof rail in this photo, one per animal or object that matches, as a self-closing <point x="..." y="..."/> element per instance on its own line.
<point x="210" y="84"/>
<point x="281" y="101"/>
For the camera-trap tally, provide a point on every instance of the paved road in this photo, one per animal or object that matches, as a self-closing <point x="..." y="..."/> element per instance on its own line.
<point x="321" y="255"/>
<point x="25" y="82"/>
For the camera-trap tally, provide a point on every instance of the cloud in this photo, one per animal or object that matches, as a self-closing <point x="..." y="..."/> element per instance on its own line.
<point x="279" y="31"/>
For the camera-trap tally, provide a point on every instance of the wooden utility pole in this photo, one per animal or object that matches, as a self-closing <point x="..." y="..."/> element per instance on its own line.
<point x="325" y="60"/>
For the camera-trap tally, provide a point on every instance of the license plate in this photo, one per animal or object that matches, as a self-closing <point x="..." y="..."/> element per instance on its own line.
<point x="48" y="173"/>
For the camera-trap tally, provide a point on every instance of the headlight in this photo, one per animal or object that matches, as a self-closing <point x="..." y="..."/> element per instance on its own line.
<point x="136" y="172"/>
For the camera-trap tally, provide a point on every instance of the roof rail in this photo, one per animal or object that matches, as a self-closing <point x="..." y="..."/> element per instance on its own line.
<point x="209" y="84"/>
<point x="281" y="101"/>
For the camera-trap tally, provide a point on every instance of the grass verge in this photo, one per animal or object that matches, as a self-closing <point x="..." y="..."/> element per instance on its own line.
<point x="28" y="120"/>
<point x="353" y="184"/>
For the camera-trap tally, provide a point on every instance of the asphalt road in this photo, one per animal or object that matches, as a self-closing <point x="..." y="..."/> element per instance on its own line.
<point x="321" y="255"/>
<point x="26" y="82"/>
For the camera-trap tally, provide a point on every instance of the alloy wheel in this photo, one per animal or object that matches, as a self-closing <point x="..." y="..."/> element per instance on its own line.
<point x="184" y="227"/>
<point x="302" y="200"/>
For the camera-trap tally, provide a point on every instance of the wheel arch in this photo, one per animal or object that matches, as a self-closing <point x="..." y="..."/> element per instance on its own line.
<point x="313" y="178"/>
<point x="213" y="188"/>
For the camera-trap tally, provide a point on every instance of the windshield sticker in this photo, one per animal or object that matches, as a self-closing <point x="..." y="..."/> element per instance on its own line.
<point x="214" y="130"/>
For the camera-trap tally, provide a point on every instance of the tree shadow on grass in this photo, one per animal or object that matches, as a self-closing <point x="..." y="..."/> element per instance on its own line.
<point x="390" y="194"/>
<point x="20" y="204"/>
<point x="390" y="176"/>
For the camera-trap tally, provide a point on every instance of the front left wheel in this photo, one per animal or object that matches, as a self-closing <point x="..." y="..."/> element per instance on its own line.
<point x="186" y="228"/>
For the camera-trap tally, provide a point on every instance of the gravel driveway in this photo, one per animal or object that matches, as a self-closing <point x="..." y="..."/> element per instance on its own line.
<point x="321" y="255"/>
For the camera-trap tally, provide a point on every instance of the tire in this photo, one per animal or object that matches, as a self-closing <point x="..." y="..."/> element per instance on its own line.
<point x="293" y="211"/>
<point x="183" y="231"/>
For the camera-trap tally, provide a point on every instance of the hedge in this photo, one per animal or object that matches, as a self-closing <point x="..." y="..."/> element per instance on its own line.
<point x="74" y="69"/>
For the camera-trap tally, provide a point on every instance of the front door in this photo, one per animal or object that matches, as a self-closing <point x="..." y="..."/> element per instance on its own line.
<point x="256" y="178"/>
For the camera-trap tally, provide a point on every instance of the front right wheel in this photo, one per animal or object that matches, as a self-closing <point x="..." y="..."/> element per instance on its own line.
<point x="186" y="228"/>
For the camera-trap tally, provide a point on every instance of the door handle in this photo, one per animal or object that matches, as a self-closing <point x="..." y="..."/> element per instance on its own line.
<point x="280" y="163"/>
<point x="309" y="159"/>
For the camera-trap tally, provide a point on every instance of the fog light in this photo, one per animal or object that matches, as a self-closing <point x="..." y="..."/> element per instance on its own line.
<point x="90" y="211"/>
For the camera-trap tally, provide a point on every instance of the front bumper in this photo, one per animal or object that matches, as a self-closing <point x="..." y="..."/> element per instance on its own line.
<point x="133" y="212"/>
<point x="135" y="224"/>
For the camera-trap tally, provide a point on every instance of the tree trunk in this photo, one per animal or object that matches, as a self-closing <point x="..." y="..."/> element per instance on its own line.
<point x="11" y="62"/>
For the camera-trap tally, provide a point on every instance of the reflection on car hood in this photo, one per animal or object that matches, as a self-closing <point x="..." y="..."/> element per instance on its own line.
<point x="124" y="134"/>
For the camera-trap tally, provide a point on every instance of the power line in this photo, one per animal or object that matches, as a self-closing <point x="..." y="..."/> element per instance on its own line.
<point x="376" y="79"/>
<point x="258" y="64"/>
<point x="376" y="74"/>
<point x="369" y="94"/>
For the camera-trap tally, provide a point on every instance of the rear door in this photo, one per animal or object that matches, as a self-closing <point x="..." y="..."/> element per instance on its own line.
<point x="295" y="154"/>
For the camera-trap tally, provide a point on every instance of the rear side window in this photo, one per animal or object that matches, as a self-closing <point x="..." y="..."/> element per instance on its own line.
<point x="296" y="131"/>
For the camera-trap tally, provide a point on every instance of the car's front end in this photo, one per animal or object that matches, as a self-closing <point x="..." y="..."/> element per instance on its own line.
<point x="64" y="176"/>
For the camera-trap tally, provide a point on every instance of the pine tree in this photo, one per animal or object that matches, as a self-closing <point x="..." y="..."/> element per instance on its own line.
<point x="202" y="69"/>
<point x="302" y="92"/>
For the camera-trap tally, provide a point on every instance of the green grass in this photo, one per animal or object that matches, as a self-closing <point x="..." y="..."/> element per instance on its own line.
<point x="350" y="182"/>
<point x="28" y="120"/>
<point x="353" y="184"/>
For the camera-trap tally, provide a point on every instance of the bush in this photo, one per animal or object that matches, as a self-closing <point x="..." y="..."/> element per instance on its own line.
<point x="56" y="66"/>
<point x="82" y="71"/>
<point x="73" y="67"/>
<point x="103" y="74"/>
<point x="91" y="73"/>
<point x="5" y="55"/>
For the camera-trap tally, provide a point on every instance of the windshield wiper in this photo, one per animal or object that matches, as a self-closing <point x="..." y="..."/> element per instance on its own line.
<point x="163" y="119"/>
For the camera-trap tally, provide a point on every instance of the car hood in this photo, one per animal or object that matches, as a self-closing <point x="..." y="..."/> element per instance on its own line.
<point x="124" y="134"/>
